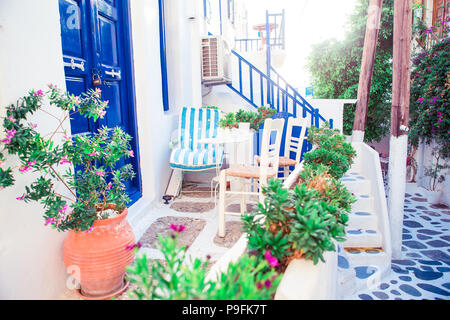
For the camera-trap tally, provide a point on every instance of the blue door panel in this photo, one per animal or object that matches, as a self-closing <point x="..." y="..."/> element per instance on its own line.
<point x="93" y="34"/>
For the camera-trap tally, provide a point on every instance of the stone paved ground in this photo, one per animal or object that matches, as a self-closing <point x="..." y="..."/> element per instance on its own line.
<point x="424" y="270"/>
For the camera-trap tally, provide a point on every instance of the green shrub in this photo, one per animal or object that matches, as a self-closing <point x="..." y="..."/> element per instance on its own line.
<point x="177" y="278"/>
<point x="330" y="150"/>
<point x="293" y="224"/>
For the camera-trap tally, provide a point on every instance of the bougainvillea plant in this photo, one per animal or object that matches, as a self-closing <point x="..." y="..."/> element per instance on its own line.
<point x="95" y="188"/>
<point x="177" y="277"/>
<point x="430" y="93"/>
<point x="330" y="150"/>
<point x="293" y="224"/>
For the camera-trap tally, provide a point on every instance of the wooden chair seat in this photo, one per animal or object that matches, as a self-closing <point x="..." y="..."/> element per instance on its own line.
<point x="283" y="162"/>
<point x="248" y="172"/>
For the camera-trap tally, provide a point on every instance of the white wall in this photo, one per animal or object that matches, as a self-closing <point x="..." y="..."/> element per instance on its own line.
<point x="31" y="264"/>
<point x="424" y="159"/>
<point x="331" y="109"/>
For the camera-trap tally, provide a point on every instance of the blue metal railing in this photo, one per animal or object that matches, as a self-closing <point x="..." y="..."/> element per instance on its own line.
<point x="282" y="97"/>
<point x="248" y="44"/>
<point x="276" y="38"/>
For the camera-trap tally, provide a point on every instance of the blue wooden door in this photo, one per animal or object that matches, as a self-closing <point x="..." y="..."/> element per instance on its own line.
<point x="95" y="43"/>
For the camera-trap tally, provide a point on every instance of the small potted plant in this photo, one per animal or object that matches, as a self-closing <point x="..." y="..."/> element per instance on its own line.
<point x="244" y="118"/>
<point x="92" y="208"/>
<point x="229" y="122"/>
<point x="435" y="175"/>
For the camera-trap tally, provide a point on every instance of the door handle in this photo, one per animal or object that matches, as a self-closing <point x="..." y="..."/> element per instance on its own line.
<point x="72" y="64"/>
<point x="113" y="73"/>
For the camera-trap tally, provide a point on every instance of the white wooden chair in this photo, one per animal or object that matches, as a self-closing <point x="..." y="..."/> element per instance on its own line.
<point x="267" y="168"/>
<point x="293" y="145"/>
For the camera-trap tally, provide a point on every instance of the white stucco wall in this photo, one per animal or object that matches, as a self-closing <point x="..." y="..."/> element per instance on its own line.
<point x="332" y="109"/>
<point x="31" y="264"/>
<point x="424" y="159"/>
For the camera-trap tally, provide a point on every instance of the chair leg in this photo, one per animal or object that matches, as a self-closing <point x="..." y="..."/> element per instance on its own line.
<point x="285" y="173"/>
<point x="222" y="189"/>
<point x="243" y="202"/>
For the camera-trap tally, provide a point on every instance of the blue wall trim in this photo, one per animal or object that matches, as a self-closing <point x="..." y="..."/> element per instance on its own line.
<point x="162" y="47"/>
<point x="129" y="65"/>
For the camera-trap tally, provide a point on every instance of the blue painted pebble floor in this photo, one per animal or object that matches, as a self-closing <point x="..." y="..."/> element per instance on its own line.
<point x="423" y="273"/>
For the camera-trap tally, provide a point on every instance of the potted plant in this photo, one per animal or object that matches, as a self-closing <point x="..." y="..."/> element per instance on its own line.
<point x="228" y="122"/>
<point x="244" y="118"/>
<point x="436" y="178"/>
<point x="92" y="208"/>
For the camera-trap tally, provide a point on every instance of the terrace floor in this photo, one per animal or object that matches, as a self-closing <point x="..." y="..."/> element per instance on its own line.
<point x="422" y="273"/>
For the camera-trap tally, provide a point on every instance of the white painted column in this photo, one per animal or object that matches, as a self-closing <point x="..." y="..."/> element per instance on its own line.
<point x="396" y="194"/>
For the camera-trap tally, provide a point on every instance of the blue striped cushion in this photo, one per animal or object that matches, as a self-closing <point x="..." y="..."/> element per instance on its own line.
<point x="195" y="124"/>
<point x="197" y="159"/>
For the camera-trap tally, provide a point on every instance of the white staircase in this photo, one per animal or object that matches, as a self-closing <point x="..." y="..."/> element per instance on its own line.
<point x="364" y="258"/>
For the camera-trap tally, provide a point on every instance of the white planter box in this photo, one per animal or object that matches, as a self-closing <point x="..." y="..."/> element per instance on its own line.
<point x="434" y="197"/>
<point x="303" y="280"/>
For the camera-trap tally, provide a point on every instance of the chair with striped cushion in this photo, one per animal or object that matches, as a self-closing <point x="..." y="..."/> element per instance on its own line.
<point x="195" y="124"/>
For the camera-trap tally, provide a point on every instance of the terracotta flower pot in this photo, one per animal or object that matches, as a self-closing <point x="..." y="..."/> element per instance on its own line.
<point x="101" y="256"/>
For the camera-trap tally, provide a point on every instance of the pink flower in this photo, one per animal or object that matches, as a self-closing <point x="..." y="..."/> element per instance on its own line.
<point x="52" y="86"/>
<point x="131" y="153"/>
<point x="273" y="262"/>
<point x="6" y="141"/>
<point x="50" y="221"/>
<point x="92" y="154"/>
<point x="101" y="113"/>
<point x="24" y="169"/>
<point x="34" y="125"/>
<point x="2" y="163"/>
<point x="10" y="133"/>
<point x="11" y="118"/>
<point x="100" y="173"/>
<point x="131" y="247"/>
<point x="177" y="228"/>
<point x="109" y="186"/>
<point x="76" y="100"/>
<point x="64" y="160"/>
<point x="63" y="209"/>
<point x="20" y="198"/>
<point x="268" y="283"/>
<point x="421" y="99"/>
<point x="90" y="229"/>
<point x="32" y="163"/>
<point x="67" y="138"/>
<point x="39" y="93"/>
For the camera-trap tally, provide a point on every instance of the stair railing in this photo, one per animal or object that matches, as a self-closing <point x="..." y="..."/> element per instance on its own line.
<point x="278" y="94"/>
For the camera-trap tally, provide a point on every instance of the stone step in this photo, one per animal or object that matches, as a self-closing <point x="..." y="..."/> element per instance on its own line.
<point x="363" y="238"/>
<point x="358" y="186"/>
<point x="364" y="202"/>
<point x="363" y="219"/>
<point x="366" y="256"/>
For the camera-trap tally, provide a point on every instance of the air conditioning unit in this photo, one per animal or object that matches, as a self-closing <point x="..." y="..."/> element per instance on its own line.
<point x="214" y="59"/>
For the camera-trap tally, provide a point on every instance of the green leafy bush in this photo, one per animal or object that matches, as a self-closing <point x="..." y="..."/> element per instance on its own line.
<point x="430" y="93"/>
<point x="96" y="187"/>
<point x="331" y="150"/>
<point x="177" y="277"/>
<point x="331" y="190"/>
<point x="293" y="224"/>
